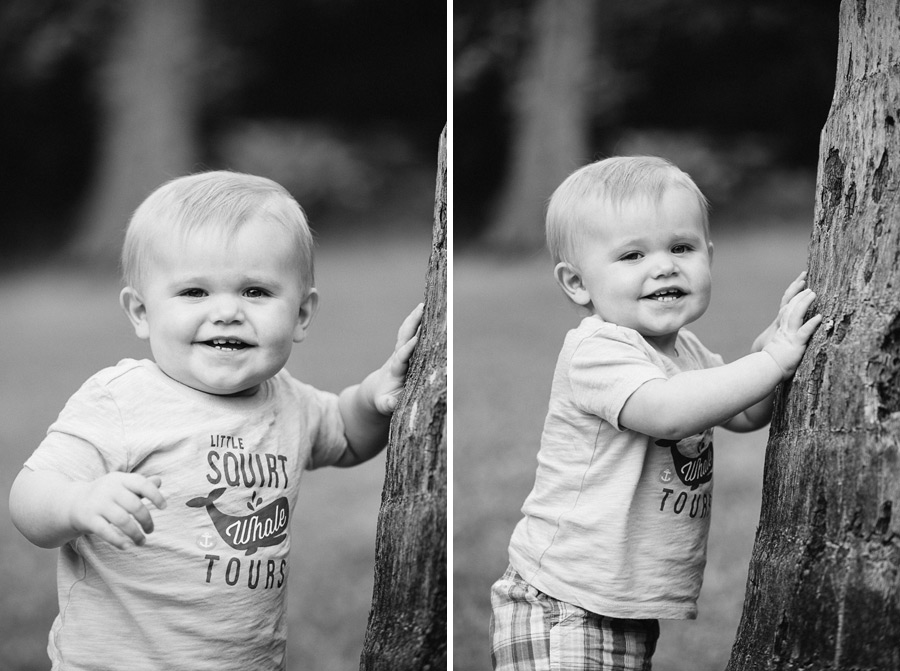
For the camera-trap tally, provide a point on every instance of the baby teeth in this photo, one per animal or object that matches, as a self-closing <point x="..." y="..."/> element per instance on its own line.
<point x="666" y="295"/>
<point x="226" y="343"/>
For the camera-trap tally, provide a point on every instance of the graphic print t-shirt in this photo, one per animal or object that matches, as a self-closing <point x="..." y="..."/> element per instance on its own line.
<point x="617" y="521"/>
<point x="207" y="589"/>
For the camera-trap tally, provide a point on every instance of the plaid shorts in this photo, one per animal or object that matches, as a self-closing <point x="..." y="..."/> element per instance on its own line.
<point x="531" y="631"/>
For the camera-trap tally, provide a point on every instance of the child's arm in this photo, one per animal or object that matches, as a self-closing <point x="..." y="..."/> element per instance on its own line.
<point x="757" y="416"/>
<point x="366" y="408"/>
<point x="50" y="509"/>
<point x="694" y="401"/>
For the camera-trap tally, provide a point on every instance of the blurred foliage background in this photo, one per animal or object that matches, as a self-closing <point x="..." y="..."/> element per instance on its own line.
<point x="341" y="101"/>
<point x="733" y="91"/>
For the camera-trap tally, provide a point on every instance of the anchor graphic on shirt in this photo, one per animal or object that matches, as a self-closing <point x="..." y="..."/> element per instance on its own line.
<point x="264" y="527"/>
<point x="693" y="460"/>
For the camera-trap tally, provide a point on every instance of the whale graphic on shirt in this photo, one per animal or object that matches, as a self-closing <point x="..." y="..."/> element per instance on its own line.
<point x="262" y="528"/>
<point x="693" y="458"/>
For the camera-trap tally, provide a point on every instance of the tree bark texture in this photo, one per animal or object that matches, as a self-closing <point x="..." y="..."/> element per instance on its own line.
<point x="407" y="629"/>
<point x="551" y="119"/>
<point x="824" y="583"/>
<point x="150" y="95"/>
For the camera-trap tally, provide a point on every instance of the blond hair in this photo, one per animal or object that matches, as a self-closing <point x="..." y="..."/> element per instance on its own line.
<point x="609" y="183"/>
<point x="218" y="200"/>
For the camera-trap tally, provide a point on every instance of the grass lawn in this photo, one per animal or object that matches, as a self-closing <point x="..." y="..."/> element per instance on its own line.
<point x="61" y="326"/>
<point x="509" y="322"/>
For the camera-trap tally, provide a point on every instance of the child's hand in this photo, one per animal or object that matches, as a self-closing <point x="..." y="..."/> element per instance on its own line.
<point x="786" y="338"/>
<point x="366" y="407"/>
<point x="793" y="289"/>
<point x="112" y="508"/>
<point x="387" y="382"/>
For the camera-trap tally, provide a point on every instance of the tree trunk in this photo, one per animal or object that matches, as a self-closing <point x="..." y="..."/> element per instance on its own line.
<point x="407" y="628"/>
<point x="150" y="98"/>
<point x="824" y="584"/>
<point x="551" y="119"/>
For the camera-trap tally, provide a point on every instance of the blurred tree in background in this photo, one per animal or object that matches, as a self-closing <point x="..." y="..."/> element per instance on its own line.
<point x="103" y="101"/>
<point x="551" y="116"/>
<point x="725" y="88"/>
<point x="150" y="96"/>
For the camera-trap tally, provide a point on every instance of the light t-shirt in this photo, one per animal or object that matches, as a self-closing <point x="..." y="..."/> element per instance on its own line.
<point x="207" y="589"/>
<point x="617" y="521"/>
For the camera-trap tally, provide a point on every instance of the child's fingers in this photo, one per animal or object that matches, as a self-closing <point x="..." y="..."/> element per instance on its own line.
<point x="135" y="508"/>
<point x="409" y="328"/>
<point x="797" y="308"/>
<point x="805" y="332"/>
<point x="126" y="523"/>
<point x="147" y="488"/>
<point x="130" y="515"/>
<point x="111" y="534"/>
<point x="410" y="325"/>
<point x="794" y="288"/>
<point x="100" y="526"/>
<point x="406" y="349"/>
<point x="401" y="357"/>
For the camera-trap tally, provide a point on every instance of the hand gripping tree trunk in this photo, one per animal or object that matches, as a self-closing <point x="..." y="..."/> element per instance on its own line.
<point x="407" y="628"/>
<point x="824" y="584"/>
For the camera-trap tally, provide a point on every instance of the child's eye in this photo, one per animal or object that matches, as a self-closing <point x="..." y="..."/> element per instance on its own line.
<point x="255" y="292"/>
<point x="631" y="256"/>
<point x="681" y="249"/>
<point x="193" y="293"/>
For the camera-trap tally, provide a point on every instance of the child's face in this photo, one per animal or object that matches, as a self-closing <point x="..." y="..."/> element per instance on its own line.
<point x="646" y="267"/>
<point x="222" y="316"/>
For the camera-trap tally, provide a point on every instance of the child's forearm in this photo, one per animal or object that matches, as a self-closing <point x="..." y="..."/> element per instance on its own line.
<point x="366" y="429"/>
<point x="39" y="505"/>
<point x="753" y="418"/>
<point x="694" y="401"/>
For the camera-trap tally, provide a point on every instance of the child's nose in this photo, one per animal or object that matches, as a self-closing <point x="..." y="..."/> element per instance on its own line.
<point x="666" y="265"/>
<point x="226" y="309"/>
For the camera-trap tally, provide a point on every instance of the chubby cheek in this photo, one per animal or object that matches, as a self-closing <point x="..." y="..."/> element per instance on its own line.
<point x="706" y="283"/>
<point x="704" y="294"/>
<point x="174" y="333"/>
<point x="170" y="339"/>
<point x="276" y="339"/>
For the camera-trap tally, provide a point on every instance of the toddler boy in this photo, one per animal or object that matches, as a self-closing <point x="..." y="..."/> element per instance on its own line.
<point x="614" y="532"/>
<point x="213" y="432"/>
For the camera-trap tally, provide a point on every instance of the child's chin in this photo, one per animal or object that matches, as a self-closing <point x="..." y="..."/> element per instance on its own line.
<point x="237" y="390"/>
<point x="662" y="332"/>
<point x="217" y="388"/>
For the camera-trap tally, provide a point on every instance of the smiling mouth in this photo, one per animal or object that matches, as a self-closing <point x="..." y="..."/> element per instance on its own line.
<point x="226" y="344"/>
<point x="665" y="295"/>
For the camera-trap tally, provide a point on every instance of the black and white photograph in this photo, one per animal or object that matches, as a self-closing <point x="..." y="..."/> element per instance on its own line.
<point x="484" y="335"/>
<point x="670" y="217"/>
<point x="223" y="275"/>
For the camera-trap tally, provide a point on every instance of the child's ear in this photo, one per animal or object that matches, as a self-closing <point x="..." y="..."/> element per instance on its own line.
<point x="307" y="311"/>
<point x="709" y="247"/>
<point x="134" y="307"/>
<point x="569" y="278"/>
